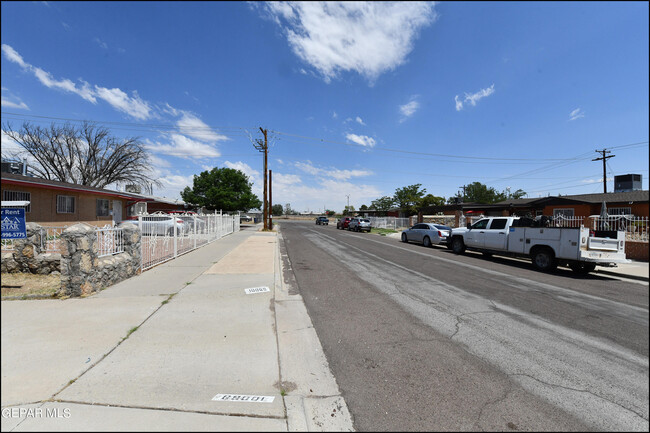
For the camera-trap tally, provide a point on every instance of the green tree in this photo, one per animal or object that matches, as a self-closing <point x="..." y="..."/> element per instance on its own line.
<point x="277" y="210"/>
<point x="383" y="204"/>
<point x="431" y="200"/>
<point x="348" y="210"/>
<point x="363" y="207"/>
<point x="408" y="197"/>
<point x="478" y="193"/>
<point x="330" y="213"/>
<point x="222" y="188"/>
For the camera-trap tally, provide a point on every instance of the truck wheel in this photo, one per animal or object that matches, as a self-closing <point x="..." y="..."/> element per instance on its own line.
<point x="582" y="268"/>
<point x="544" y="260"/>
<point x="426" y="242"/>
<point x="457" y="245"/>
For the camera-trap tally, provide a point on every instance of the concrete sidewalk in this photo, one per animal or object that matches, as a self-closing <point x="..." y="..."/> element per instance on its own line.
<point x="181" y="347"/>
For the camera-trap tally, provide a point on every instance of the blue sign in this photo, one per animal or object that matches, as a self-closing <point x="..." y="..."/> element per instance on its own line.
<point x="13" y="223"/>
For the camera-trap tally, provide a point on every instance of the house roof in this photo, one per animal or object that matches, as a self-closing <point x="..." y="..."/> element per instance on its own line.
<point x="639" y="196"/>
<point x="19" y="179"/>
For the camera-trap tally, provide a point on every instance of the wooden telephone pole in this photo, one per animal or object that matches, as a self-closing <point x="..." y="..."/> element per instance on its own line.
<point x="263" y="146"/>
<point x="604" y="158"/>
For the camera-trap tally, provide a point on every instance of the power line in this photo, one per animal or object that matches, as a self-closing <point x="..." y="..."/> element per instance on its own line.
<point x="604" y="158"/>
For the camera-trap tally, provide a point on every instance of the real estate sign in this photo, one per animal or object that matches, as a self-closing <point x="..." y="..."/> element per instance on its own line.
<point x="13" y="223"/>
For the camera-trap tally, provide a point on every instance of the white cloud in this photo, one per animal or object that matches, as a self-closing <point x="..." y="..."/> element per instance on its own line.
<point x="13" y="56"/>
<point x="14" y="104"/>
<point x="101" y="43"/>
<point x="369" y="38"/>
<point x="133" y="106"/>
<point x="323" y="192"/>
<point x="362" y="140"/>
<point x="191" y="125"/>
<point x="334" y="115"/>
<point x="473" y="98"/>
<point x="333" y="173"/>
<point x="459" y="103"/>
<point x="409" y="108"/>
<point x="360" y="121"/>
<point x="184" y="147"/>
<point x="576" y="114"/>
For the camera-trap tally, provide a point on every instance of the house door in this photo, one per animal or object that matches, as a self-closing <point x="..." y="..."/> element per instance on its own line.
<point x="117" y="212"/>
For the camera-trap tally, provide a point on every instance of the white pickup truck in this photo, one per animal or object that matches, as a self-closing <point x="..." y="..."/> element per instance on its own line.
<point x="579" y="248"/>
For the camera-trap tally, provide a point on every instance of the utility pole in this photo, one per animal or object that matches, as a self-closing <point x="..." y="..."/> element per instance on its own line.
<point x="264" y="147"/>
<point x="271" y="199"/>
<point x="348" y="196"/>
<point x="604" y="158"/>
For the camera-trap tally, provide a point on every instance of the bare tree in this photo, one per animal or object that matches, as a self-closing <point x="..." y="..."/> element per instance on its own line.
<point x="85" y="155"/>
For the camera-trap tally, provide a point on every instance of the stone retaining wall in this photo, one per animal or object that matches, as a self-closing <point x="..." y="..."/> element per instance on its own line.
<point x="28" y="257"/>
<point x="83" y="273"/>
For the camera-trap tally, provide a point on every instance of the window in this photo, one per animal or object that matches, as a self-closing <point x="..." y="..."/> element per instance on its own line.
<point x="567" y="212"/>
<point x="620" y="211"/>
<point x="498" y="224"/>
<point x="481" y="224"/>
<point x="103" y="207"/>
<point x="64" y="204"/>
<point x="18" y="196"/>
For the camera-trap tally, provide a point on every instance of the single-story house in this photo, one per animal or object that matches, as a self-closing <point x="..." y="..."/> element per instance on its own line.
<point x="54" y="203"/>
<point x="581" y="205"/>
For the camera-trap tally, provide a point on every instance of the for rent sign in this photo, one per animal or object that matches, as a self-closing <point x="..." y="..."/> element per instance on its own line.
<point x="13" y="223"/>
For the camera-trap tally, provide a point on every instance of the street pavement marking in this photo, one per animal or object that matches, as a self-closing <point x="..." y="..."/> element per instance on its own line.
<point x="257" y="290"/>
<point x="244" y="398"/>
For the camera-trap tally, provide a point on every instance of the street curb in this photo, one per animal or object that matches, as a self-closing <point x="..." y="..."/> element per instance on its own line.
<point x="322" y="412"/>
<point x="618" y="274"/>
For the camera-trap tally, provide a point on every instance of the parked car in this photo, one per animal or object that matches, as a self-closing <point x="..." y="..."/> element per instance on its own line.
<point x="342" y="223"/>
<point x="245" y="219"/>
<point x="188" y="217"/>
<point x="359" y="225"/>
<point x="321" y="220"/>
<point x="427" y="234"/>
<point x="160" y="223"/>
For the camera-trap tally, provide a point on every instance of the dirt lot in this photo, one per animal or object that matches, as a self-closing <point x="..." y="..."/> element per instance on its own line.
<point x="29" y="285"/>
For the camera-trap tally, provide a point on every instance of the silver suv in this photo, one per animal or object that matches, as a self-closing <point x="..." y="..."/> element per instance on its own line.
<point x="359" y="225"/>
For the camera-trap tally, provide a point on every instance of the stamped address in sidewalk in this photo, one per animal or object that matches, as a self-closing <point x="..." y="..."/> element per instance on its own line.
<point x="257" y="290"/>
<point x="244" y="398"/>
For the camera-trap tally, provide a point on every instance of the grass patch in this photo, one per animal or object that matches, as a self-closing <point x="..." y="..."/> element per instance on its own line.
<point x="131" y="331"/>
<point x="382" y="231"/>
<point x="28" y="285"/>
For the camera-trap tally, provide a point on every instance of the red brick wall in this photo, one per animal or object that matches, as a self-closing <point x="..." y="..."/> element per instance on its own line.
<point x="635" y="250"/>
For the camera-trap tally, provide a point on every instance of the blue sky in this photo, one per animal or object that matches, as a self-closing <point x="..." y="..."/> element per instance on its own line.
<point x="359" y="99"/>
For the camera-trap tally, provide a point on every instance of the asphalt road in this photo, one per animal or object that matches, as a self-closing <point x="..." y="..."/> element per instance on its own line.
<point x="422" y="339"/>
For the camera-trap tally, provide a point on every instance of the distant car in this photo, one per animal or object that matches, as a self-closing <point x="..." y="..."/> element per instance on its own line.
<point x="359" y="225"/>
<point x="427" y="234"/>
<point x="160" y="223"/>
<point x="322" y="221"/>
<point x="245" y="219"/>
<point x="342" y="223"/>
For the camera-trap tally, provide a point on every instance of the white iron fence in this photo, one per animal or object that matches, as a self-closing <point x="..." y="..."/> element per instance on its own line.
<point x="388" y="222"/>
<point x="166" y="236"/>
<point x="50" y="240"/>
<point x="635" y="228"/>
<point x="109" y="241"/>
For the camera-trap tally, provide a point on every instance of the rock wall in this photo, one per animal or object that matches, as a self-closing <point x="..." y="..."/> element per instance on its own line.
<point x="83" y="273"/>
<point x="28" y="257"/>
